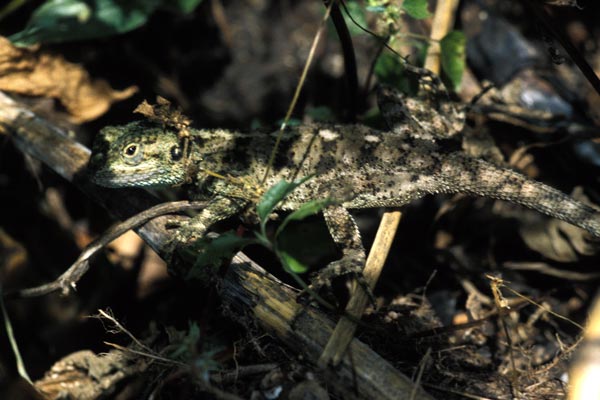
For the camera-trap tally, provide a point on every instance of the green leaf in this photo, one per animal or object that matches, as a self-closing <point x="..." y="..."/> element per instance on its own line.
<point x="212" y="252"/>
<point x="187" y="342"/>
<point x="390" y="70"/>
<point x="376" y="9"/>
<point x="273" y="196"/>
<point x="453" y="56"/>
<point x="255" y="124"/>
<point x="308" y="241"/>
<point x="290" y="122"/>
<point x="305" y="210"/>
<point x="65" y="20"/>
<point x="263" y="240"/>
<point x="291" y="264"/>
<point x="195" y="349"/>
<point x="320" y="114"/>
<point x="183" y="6"/>
<point x="68" y="20"/>
<point x="416" y="8"/>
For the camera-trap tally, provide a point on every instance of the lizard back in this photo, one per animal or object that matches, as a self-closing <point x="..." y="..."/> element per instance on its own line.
<point x="359" y="166"/>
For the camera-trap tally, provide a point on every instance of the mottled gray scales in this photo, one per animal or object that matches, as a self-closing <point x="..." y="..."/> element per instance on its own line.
<point x="430" y="117"/>
<point x="346" y="236"/>
<point x="506" y="184"/>
<point x="356" y="165"/>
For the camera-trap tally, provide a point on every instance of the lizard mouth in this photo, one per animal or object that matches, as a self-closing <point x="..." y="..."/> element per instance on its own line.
<point x="113" y="179"/>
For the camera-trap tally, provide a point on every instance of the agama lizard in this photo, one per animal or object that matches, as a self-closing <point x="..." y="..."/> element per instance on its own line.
<point x="358" y="166"/>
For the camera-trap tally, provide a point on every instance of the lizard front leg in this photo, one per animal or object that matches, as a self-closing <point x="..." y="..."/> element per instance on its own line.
<point x="218" y="209"/>
<point x="345" y="234"/>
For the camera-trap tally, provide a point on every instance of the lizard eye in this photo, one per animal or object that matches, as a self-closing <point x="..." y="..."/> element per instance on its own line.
<point x="176" y="153"/>
<point x="131" y="150"/>
<point x="132" y="153"/>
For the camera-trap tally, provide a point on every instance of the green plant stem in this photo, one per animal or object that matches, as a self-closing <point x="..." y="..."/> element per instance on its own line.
<point x="11" y="7"/>
<point x="13" y="341"/>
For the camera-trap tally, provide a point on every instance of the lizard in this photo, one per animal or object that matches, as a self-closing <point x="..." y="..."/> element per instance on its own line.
<point x="359" y="166"/>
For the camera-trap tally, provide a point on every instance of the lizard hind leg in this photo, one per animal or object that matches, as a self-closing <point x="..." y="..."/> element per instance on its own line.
<point x="345" y="234"/>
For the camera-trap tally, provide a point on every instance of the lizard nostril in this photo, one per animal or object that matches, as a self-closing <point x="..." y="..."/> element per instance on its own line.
<point x="176" y="153"/>
<point x="97" y="159"/>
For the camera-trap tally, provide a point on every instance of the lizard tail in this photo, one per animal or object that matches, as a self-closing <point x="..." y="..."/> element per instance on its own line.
<point x="484" y="179"/>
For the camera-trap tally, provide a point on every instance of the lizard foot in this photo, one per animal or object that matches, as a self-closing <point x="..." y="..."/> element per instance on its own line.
<point x="351" y="264"/>
<point x="185" y="235"/>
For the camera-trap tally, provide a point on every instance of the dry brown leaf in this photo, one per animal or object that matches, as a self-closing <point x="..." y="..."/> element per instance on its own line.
<point x="36" y="73"/>
<point x="14" y="255"/>
<point x="163" y="113"/>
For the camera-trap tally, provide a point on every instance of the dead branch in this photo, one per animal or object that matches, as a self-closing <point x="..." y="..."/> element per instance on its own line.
<point x="68" y="279"/>
<point x="247" y="290"/>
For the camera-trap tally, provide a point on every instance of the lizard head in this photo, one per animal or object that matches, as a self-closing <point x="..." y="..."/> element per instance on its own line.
<point x="137" y="155"/>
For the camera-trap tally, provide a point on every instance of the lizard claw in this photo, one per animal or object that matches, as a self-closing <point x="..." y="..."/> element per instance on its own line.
<point x="185" y="235"/>
<point x="350" y="264"/>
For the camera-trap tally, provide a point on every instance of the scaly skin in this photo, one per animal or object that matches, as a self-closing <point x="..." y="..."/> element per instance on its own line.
<point x="359" y="166"/>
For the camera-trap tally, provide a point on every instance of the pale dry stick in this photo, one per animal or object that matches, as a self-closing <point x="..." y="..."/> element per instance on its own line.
<point x="246" y="290"/>
<point x="541" y="307"/>
<point x="503" y="308"/>
<point x="224" y="377"/>
<point x="151" y="355"/>
<point x="584" y="372"/>
<point x="218" y="13"/>
<point x="207" y="386"/>
<point x="422" y="366"/>
<point x="344" y="331"/>
<point x="121" y="328"/>
<point x="443" y="21"/>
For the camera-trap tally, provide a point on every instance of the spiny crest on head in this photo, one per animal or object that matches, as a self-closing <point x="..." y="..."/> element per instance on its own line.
<point x="164" y="114"/>
<point x="168" y="116"/>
